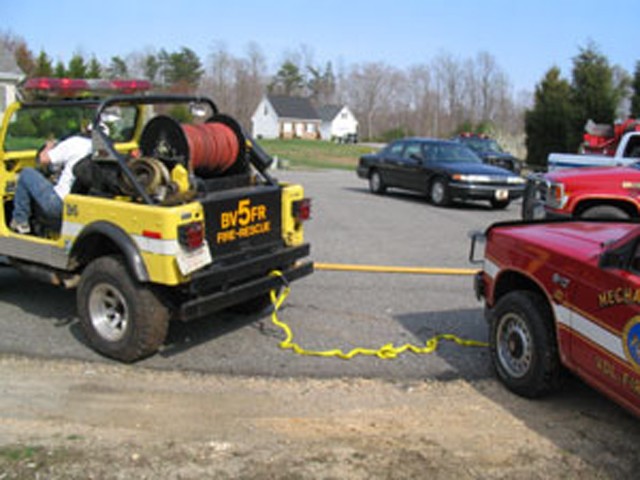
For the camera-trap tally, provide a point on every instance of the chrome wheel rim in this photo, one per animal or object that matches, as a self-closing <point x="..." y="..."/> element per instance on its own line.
<point x="108" y="312"/>
<point x="437" y="192"/>
<point x="514" y="345"/>
<point x="374" y="182"/>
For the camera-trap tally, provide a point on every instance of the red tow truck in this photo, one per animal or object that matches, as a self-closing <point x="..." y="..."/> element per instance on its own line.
<point x="563" y="296"/>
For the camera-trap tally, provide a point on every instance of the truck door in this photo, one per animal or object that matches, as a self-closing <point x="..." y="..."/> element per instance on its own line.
<point x="605" y="327"/>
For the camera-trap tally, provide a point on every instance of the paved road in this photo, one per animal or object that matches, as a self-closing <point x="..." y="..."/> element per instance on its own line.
<point x="327" y="310"/>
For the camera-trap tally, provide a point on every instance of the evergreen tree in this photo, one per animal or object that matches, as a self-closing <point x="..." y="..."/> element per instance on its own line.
<point x="77" y="67"/>
<point x="595" y="96"/>
<point x="61" y="70"/>
<point x="183" y="70"/>
<point x="548" y="126"/>
<point x="118" y="68"/>
<point x="288" y="80"/>
<point x="94" y="70"/>
<point x="151" y="68"/>
<point x="44" y="67"/>
<point x="635" y="96"/>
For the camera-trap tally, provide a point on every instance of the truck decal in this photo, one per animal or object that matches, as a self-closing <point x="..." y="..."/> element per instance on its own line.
<point x="244" y="221"/>
<point x="619" y="296"/>
<point x="582" y="326"/>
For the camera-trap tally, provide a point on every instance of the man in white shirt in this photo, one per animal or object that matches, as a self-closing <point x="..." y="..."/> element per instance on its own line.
<point x="33" y="186"/>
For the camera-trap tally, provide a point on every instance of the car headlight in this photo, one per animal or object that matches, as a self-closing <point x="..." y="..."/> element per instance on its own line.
<point x="472" y="178"/>
<point x="516" y="180"/>
<point x="555" y="195"/>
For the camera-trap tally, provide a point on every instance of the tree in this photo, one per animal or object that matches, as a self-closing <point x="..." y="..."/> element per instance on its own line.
<point x="60" y="70"/>
<point x="117" y="68"/>
<point x="594" y="93"/>
<point x="635" y="96"/>
<point x="77" y="67"/>
<point x="288" y="80"/>
<point x="43" y="66"/>
<point x="94" y="70"/>
<point x="183" y="70"/>
<point x="151" y="67"/>
<point x="548" y="126"/>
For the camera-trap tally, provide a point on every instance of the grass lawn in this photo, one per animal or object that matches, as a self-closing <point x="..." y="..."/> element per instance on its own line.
<point x="316" y="153"/>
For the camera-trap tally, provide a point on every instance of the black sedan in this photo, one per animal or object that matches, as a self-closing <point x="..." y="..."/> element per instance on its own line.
<point x="443" y="170"/>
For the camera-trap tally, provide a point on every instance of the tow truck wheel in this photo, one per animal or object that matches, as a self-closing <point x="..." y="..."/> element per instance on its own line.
<point x="523" y="345"/>
<point x="376" y="185"/>
<point x="121" y="318"/>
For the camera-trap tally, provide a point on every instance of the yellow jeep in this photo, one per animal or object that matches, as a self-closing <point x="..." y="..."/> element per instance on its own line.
<point x="167" y="219"/>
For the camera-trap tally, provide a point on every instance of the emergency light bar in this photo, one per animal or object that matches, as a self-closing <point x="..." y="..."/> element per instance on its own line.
<point x="78" y="86"/>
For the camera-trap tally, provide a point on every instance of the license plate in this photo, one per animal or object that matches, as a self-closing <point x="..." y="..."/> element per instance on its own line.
<point x="190" y="261"/>
<point x="502" y="194"/>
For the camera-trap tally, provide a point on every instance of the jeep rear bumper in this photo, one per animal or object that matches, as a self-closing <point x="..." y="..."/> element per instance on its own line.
<point x="220" y="287"/>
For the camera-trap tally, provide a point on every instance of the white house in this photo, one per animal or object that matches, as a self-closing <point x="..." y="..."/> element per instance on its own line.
<point x="10" y="76"/>
<point x="279" y="116"/>
<point x="338" y="122"/>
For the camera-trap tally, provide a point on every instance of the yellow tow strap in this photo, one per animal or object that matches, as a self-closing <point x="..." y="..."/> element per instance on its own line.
<point x="386" y="352"/>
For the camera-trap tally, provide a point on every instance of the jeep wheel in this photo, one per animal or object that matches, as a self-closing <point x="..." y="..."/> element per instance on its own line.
<point x="376" y="185"/>
<point x="439" y="193"/>
<point x="523" y="345"/>
<point x="605" y="211"/>
<point x="121" y="318"/>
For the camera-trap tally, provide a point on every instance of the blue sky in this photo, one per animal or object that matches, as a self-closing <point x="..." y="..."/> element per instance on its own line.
<point x="525" y="37"/>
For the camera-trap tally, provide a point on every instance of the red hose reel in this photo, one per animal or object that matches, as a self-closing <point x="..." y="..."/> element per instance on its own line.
<point x="211" y="149"/>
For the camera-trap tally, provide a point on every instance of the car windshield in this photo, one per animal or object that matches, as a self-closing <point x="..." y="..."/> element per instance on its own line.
<point x="450" y="152"/>
<point x="483" y="145"/>
<point x="31" y="126"/>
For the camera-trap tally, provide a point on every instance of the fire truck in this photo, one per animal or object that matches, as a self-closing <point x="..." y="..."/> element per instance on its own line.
<point x="174" y="215"/>
<point x="563" y="296"/>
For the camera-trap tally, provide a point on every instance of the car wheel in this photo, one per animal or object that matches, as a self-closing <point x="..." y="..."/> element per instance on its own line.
<point x="605" y="211"/>
<point x="121" y="318"/>
<point x="439" y="192"/>
<point x="499" y="204"/>
<point x="376" y="185"/>
<point x="523" y="346"/>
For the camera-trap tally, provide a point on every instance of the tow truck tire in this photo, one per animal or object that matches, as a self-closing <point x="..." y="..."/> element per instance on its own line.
<point x="523" y="345"/>
<point x="122" y="319"/>
<point x="439" y="193"/>
<point x="376" y="185"/>
<point x="605" y="211"/>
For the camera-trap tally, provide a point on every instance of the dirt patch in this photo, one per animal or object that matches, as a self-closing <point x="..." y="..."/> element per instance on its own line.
<point x="76" y="420"/>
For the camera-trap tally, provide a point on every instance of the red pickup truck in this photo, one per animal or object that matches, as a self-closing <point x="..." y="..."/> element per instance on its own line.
<point x="589" y="192"/>
<point x="563" y="295"/>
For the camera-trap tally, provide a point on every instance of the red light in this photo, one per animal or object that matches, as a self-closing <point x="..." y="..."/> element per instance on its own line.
<point x="191" y="235"/>
<point x="153" y="235"/>
<point x="302" y="209"/>
<point x="67" y="86"/>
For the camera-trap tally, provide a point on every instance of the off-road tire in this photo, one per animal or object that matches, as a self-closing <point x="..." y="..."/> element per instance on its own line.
<point x="523" y="345"/>
<point x="121" y="318"/>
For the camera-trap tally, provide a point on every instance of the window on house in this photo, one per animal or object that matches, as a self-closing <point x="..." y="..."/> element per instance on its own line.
<point x="287" y="127"/>
<point x="266" y="110"/>
<point x="344" y="115"/>
<point x="311" y="128"/>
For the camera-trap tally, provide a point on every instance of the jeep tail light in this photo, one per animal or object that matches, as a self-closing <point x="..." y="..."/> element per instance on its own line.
<point x="302" y="209"/>
<point x="191" y="235"/>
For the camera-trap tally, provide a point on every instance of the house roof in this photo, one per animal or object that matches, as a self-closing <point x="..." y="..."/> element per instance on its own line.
<point x="329" y="112"/>
<point x="8" y="66"/>
<point x="293" y="107"/>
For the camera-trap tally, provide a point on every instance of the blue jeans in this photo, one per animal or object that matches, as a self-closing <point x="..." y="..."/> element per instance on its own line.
<point x="34" y="187"/>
